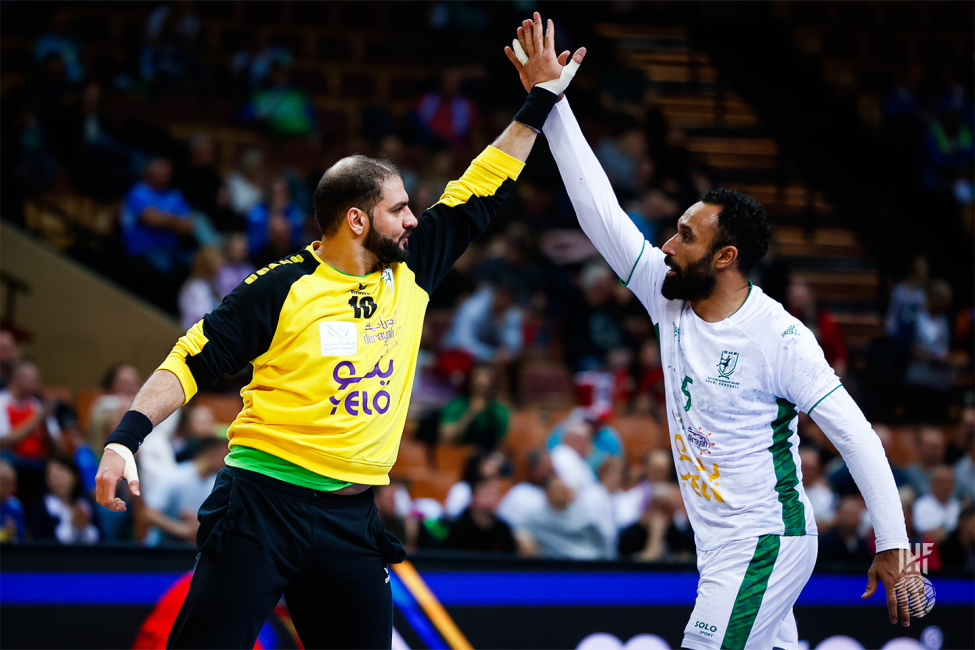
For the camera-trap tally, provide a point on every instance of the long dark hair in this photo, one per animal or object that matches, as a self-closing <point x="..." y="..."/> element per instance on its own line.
<point x="65" y="461"/>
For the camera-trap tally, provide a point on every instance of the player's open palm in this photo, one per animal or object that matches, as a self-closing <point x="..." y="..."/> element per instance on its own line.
<point x="534" y="55"/>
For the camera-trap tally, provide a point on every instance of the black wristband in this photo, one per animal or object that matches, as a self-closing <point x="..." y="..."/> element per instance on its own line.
<point x="536" y="109"/>
<point x="131" y="431"/>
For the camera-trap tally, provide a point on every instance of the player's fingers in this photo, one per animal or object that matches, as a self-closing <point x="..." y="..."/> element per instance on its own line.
<point x="564" y="58"/>
<point x="529" y="41"/>
<point x="526" y="41"/>
<point x="105" y="490"/>
<point x="511" y="57"/>
<point x="134" y="486"/>
<point x="537" y="33"/>
<point x="117" y="505"/>
<point x="871" y="584"/>
<point x="579" y="55"/>
<point x="903" y="603"/>
<point x="550" y="36"/>
<point x="891" y="603"/>
<point x="519" y="51"/>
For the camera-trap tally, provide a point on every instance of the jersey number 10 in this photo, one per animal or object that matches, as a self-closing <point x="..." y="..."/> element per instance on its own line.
<point x="363" y="307"/>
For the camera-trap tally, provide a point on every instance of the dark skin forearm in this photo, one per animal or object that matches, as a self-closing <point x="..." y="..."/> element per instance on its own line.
<point x="899" y="573"/>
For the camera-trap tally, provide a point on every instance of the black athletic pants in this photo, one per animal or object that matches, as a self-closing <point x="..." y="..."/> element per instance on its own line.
<point x="260" y="538"/>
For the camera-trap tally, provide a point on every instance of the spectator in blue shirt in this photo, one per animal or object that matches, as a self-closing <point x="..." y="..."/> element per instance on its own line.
<point x="12" y="520"/>
<point x="278" y="214"/>
<point x="487" y="325"/>
<point x="606" y="441"/>
<point x="156" y="220"/>
<point x="57" y="41"/>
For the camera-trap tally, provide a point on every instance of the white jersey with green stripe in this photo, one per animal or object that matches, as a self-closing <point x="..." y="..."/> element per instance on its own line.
<point x="734" y="388"/>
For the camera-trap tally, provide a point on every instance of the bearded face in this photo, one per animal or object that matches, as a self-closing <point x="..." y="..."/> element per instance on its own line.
<point x="691" y="282"/>
<point x="387" y="249"/>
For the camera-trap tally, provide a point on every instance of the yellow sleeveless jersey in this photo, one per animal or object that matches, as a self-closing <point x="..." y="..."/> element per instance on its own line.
<point x="334" y="355"/>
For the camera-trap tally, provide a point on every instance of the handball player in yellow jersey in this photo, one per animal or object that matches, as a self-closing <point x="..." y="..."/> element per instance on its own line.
<point x="332" y="333"/>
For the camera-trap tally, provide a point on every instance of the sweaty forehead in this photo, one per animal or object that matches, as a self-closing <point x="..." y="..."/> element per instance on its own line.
<point x="701" y="217"/>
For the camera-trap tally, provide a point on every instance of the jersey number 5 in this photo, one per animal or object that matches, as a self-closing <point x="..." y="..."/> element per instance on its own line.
<point x="363" y="307"/>
<point x="683" y="388"/>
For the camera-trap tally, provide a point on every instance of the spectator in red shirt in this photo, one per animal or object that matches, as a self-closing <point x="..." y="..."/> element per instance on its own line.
<point x="26" y="428"/>
<point x="447" y="115"/>
<point x="823" y="324"/>
<point x="23" y="417"/>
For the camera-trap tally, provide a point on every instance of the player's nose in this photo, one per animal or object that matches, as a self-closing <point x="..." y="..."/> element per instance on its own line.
<point x="668" y="247"/>
<point x="409" y="221"/>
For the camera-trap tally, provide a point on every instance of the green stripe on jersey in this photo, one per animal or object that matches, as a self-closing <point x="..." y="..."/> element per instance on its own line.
<point x="633" y="268"/>
<point x="786" y="473"/>
<point x="267" y="464"/>
<point x="751" y="593"/>
<point x="822" y="398"/>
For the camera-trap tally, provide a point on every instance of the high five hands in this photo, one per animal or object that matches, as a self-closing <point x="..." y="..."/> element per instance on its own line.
<point x="533" y="55"/>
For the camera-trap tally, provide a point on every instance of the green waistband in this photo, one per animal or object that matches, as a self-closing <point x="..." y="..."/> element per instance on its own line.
<point x="262" y="462"/>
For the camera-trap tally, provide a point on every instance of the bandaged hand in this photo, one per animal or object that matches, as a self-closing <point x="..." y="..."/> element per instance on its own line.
<point x="115" y="466"/>
<point x="533" y="55"/>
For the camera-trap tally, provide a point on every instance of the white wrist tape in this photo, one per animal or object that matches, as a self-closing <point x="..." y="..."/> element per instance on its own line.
<point x="130" y="472"/>
<point x="556" y="86"/>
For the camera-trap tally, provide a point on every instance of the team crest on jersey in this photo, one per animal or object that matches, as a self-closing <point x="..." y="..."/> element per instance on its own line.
<point x="388" y="279"/>
<point x="726" y="367"/>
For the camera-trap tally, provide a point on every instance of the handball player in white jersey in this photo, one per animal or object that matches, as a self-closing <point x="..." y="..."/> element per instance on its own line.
<point x="738" y="370"/>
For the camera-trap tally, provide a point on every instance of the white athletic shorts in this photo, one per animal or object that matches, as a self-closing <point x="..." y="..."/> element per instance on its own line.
<point x="746" y="593"/>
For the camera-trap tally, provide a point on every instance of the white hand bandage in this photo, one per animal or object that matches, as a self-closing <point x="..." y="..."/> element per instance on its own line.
<point x="130" y="472"/>
<point x="556" y="86"/>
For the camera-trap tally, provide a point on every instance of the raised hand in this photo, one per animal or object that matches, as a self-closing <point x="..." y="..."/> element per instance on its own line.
<point x="533" y="55"/>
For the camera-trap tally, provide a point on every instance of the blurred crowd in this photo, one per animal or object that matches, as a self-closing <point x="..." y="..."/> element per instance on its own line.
<point x="934" y="120"/>
<point x="578" y="496"/>
<point x="530" y="311"/>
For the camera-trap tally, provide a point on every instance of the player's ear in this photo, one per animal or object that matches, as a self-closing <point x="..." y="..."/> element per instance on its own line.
<point x="356" y="219"/>
<point x="725" y="257"/>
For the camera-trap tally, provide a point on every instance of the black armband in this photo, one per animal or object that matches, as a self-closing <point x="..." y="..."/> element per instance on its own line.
<point x="536" y="109"/>
<point x="131" y="431"/>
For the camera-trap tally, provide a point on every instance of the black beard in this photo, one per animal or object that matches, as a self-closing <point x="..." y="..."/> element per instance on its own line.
<point x="692" y="283"/>
<point x="387" y="250"/>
